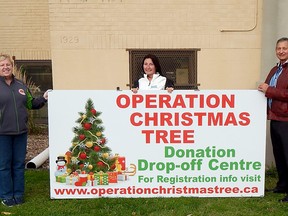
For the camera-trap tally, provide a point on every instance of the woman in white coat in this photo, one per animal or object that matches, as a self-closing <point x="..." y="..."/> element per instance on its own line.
<point x="152" y="76"/>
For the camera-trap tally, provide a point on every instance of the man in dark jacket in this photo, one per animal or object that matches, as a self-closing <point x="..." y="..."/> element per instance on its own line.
<point x="276" y="91"/>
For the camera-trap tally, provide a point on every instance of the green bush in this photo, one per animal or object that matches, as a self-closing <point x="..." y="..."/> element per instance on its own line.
<point x="22" y="75"/>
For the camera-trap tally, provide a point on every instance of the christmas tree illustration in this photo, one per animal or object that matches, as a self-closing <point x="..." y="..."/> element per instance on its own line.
<point x="89" y="152"/>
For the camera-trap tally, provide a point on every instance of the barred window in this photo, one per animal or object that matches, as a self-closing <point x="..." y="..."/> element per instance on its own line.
<point x="179" y="65"/>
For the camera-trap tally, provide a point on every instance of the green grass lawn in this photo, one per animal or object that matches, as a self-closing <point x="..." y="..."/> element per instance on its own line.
<point x="38" y="202"/>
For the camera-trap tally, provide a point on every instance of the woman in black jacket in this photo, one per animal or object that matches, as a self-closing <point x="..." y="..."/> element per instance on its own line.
<point x="15" y="99"/>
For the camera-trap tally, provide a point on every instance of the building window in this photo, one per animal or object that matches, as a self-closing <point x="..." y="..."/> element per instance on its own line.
<point x="179" y="65"/>
<point x="40" y="72"/>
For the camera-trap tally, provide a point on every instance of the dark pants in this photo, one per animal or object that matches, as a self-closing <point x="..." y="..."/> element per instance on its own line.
<point x="12" y="165"/>
<point x="279" y="137"/>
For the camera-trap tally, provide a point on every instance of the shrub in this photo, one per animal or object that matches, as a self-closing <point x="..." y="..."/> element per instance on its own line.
<point x="22" y="75"/>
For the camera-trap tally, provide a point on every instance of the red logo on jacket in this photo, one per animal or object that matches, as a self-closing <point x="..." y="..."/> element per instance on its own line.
<point x="21" y="91"/>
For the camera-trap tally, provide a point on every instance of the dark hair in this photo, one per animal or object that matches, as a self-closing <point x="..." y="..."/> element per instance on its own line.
<point x="282" y="40"/>
<point x="155" y="61"/>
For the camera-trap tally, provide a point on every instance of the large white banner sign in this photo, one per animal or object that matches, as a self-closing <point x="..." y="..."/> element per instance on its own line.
<point x="155" y="144"/>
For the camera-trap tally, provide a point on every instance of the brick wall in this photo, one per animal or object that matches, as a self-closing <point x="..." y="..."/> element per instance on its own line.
<point x="228" y="32"/>
<point x="24" y="29"/>
<point x="121" y="24"/>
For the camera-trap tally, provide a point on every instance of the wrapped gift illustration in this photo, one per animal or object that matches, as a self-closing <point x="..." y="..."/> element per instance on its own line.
<point x="91" y="183"/>
<point x="101" y="178"/>
<point x="61" y="179"/>
<point x="120" y="163"/>
<point x="112" y="177"/>
<point x="71" y="179"/>
<point x="91" y="180"/>
<point x="122" y="177"/>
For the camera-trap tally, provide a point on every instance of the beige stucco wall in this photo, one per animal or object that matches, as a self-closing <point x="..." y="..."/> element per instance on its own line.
<point x="89" y="39"/>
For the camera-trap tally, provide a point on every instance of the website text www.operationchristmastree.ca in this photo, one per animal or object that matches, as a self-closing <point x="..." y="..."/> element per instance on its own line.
<point x="173" y="190"/>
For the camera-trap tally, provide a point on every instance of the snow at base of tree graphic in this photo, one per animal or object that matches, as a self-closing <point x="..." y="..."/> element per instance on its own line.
<point x="89" y="161"/>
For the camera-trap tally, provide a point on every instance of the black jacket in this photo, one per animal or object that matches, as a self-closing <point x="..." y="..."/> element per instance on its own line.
<point x="14" y="102"/>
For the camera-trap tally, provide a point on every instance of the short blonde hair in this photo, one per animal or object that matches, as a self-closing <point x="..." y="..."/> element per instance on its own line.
<point x="6" y="56"/>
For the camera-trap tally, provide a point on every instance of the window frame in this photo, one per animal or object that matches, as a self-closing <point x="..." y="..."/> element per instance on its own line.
<point x="192" y="55"/>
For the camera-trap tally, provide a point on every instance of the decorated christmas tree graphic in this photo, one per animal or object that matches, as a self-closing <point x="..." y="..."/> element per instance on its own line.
<point x="89" y="152"/>
<point x="89" y="161"/>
